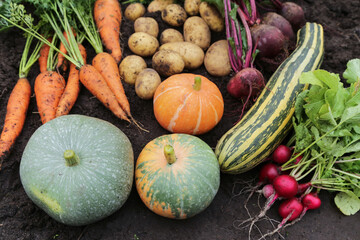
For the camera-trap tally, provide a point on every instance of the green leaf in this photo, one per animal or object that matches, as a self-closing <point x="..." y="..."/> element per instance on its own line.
<point x="351" y="114"/>
<point x="347" y="202"/>
<point x="352" y="72"/>
<point x="300" y="102"/>
<point x="310" y="78"/>
<point x="332" y="80"/>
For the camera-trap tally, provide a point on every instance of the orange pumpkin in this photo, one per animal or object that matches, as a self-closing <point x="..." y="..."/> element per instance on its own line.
<point x="188" y="103"/>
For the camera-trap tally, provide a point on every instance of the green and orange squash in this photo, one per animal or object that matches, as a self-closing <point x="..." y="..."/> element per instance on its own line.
<point x="177" y="175"/>
<point x="188" y="103"/>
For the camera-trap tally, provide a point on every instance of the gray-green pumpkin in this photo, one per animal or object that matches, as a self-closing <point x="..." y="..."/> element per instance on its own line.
<point x="78" y="169"/>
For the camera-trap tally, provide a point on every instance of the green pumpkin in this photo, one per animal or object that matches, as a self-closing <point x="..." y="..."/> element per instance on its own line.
<point x="78" y="169"/>
<point x="177" y="175"/>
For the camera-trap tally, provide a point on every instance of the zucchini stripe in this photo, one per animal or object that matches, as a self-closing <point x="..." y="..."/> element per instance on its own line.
<point x="266" y="124"/>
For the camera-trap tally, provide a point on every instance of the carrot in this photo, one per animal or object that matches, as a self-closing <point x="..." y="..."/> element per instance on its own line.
<point x="44" y="53"/>
<point x="107" y="67"/>
<point x="97" y="85"/>
<point x="72" y="88"/>
<point x="108" y="16"/>
<point x="17" y="106"/>
<point x="49" y="87"/>
<point x="61" y="59"/>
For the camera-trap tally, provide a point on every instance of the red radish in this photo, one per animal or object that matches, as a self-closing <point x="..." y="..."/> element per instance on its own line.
<point x="298" y="159"/>
<point x="268" y="173"/>
<point x="268" y="190"/>
<point x="282" y="154"/>
<point x="294" y="14"/>
<point x="285" y="186"/>
<point x="290" y="206"/>
<point x="311" y="201"/>
<point x="245" y="83"/>
<point x="270" y="40"/>
<point x="276" y="20"/>
<point x="302" y="187"/>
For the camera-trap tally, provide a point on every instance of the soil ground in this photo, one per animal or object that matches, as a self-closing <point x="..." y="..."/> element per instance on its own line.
<point x="21" y="219"/>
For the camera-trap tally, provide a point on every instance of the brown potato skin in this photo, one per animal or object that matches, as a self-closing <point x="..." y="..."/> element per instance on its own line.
<point x="212" y="17"/>
<point x="147" y="25"/>
<point x="146" y="83"/>
<point x="167" y="63"/>
<point x="143" y="44"/>
<point x="217" y="61"/>
<point x="192" y="7"/>
<point x="159" y="5"/>
<point x="174" y="15"/>
<point x="197" y="31"/>
<point x="171" y="35"/>
<point x="134" y="11"/>
<point x="130" y="67"/>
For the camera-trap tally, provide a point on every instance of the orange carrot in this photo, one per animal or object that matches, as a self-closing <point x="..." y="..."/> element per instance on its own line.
<point x="44" y="53"/>
<point x="61" y="59"/>
<point x="97" y="85"/>
<point x="72" y="89"/>
<point x="107" y="15"/>
<point x="107" y="67"/>
<point x="15" y="116"/>
<point x="49" y="87"/>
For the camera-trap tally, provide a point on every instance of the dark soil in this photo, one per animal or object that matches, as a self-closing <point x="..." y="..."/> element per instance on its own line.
<point x="21" y="219"/>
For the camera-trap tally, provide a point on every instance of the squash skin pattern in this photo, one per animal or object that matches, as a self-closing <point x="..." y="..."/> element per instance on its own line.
<point x="184" y="188"/>
<point x="266" y="124"/>
<point x="93" y="189"/>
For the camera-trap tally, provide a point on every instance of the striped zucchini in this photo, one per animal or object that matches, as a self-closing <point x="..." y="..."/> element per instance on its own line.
<point x="266" y="124"/>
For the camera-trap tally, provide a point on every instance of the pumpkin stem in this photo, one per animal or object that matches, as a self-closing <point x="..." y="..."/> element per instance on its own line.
<point x="197" y="83"/>
<point x="71" y="158"/>
<point x="169" y="154"/>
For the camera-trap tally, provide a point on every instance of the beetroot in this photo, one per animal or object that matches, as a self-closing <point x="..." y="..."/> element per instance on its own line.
<point x="245" y="83"/>
<point x="294" y="14"/>
<point x="276" y="20"/>
<point x="270" y="40"/>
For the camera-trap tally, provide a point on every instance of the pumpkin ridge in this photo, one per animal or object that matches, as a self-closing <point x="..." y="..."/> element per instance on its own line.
<point x="199" y="117"/>
<point x="177" y="113"/>
<point x="165" y="91"/>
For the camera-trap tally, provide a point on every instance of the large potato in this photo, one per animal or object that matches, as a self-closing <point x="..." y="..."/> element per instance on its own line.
<point x="146" y="83"/>
<point x="192" y="7"/>
<point x="212" y="17"/>
<point x="197" y="31"/>
<point x="167" y="63"/>
<point x="171" y="35"/>
<point x="134" y="11"/>
<point x="147" y="25"/>
<point x="191" y="53"/>
<point x="159" y="5"/>
<point x="130" y="67"/>
<point x="174" y="15"/>
<point x="217" y="61"/>
<point x="143" y="44"/>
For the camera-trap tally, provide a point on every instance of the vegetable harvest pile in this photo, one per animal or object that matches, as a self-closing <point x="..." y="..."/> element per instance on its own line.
<point x="161" y="101"/>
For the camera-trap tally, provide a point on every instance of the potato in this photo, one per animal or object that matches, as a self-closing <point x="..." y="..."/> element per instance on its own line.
<point x="217" y="61"/>
<point x="167" y="63"/>
<point x="212" y="17"/>
<point x="171" y="35"/>
<point x="192" y="7"/>
<point x="197" y="31"/>
<point x="130" y="67"/>
<point x="146" y="83"/>
<point x="147" y="25"/>
<point x="174" y="15"/>
<point x="191" y="53"/>
<point x="159" y="5"/>
<point x="143" y="44"/>
<point x="134" y="11"/>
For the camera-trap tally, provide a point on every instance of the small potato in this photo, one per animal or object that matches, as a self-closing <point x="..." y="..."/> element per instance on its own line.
<point x="192" y="7"/>
<point x="159" y="5"/>
<point x="197" y="31"/>
<point x="130" y="67"/>
<point x="191" y="53"/>
<point x="146" y="83"/>
<point x="167" y="63"/>
<point x="174" y="15"/>
<point x="143" y="44"/>
<point x="147" y="25"/>
<point x="217" y="61"/>
<point x="134" y="11"/>
<point x="171" y="35"/>
<point x="212" y="17"/>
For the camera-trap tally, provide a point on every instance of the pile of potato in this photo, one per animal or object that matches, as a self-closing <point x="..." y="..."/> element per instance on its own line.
<point x="173" y="51"/>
